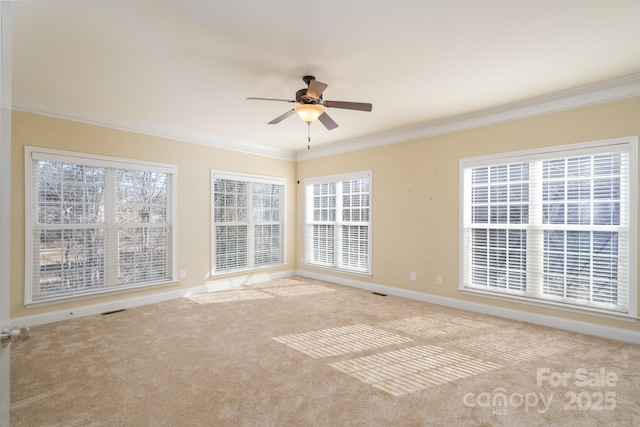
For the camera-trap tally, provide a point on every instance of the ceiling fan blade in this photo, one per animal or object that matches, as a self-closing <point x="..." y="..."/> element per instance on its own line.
<point x="327" y="121"/>
<point x="269" y="99"/>
<point x="315" y="89"/>
<point x="361" y="106"/>
<point x="282" y="117"/>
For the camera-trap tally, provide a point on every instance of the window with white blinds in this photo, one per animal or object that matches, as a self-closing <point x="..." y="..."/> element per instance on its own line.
<point x="96" y="224"/>
<point x="248" y="221"/>
<point x="338" y="218"/>
<point x="557" y="226"/>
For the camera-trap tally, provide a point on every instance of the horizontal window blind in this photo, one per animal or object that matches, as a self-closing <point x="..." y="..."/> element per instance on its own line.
<point x="338" y="230"/>
<point x="248" y="221"/>
<point x="97" y="225"/>
<point x="553" y="226"/>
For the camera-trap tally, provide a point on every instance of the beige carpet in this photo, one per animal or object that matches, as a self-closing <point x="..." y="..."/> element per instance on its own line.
<point x="299" y="352"/>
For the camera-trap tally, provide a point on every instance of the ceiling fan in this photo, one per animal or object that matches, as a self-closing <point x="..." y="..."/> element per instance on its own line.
<point x="310" y="105"/>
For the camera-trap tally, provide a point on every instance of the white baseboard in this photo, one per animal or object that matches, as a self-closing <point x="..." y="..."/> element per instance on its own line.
<point x="88" y="310"/>
<point x="233" y="282"/>
<point x="587" y="328"/>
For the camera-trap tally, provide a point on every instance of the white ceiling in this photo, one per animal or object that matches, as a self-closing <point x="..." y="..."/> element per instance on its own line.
<point x="185" y="67"/>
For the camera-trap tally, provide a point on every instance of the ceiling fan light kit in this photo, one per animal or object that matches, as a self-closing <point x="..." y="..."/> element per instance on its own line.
<point x="309" y="113"/>
<point x="310" y="105"/>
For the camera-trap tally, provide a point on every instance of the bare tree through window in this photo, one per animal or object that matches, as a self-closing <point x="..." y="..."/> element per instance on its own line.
<point x="97" y="227"/>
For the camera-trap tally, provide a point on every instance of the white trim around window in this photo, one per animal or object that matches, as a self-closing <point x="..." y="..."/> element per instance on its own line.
<point x="96" y="225"/>
<point x="553" y="227"/>
<point x="248" y="222"/>
<point x="338" y="222"/>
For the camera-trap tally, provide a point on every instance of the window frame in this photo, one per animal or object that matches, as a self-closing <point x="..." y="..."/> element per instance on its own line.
<point x="627" y="145"/>
<point x="336" y="265"/>
<point x="110" y="225"/>
<point x="249" y="178"/>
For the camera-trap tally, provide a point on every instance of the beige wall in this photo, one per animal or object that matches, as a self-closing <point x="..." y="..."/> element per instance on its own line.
<point x="194" y="167"/>
<point x="416" y="195"/>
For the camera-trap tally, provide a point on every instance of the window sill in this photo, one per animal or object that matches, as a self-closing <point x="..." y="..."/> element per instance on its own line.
<point x="551" y="304"/>
<point x="246" y="270"/>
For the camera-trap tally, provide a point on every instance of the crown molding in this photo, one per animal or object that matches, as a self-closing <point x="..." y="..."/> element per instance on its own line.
<point x="599" y="93"/>
<point x="60" y="110"/>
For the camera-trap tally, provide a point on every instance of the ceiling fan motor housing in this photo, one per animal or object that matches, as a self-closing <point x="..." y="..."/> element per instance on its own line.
<point x="302" y="98"/>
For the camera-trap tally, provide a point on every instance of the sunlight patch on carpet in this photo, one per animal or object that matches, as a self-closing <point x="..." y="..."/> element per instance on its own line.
<point x="295" y="290"/>
<point x="295" y="280"/>
<point x="515" y="345"/>
<point x="277" y="283"/>
<point x="434" y="325"/>
<point x="48" y="395"/>
<point x="342" y="340"/>
<point x="412" y="369"/>
<point x="228" y="296"/>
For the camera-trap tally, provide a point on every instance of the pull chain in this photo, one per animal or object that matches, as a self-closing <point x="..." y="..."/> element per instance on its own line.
<point x="308" y="136"/>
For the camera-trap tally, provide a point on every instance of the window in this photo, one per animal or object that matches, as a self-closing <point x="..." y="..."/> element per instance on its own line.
<point x="557" y="226"/>
<point x="248" y="222"/>
<point x="338" y="215"/>
<point x="96" y="224"/>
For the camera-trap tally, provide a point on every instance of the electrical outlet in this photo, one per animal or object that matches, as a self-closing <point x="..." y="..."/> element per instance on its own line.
<point x="413" y="275"/>
<point x="183" y="274"/>
<point x="439" y="280"/>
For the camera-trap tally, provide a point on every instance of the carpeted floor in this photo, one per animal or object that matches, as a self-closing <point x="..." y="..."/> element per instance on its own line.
<point x="299" y="352"/>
